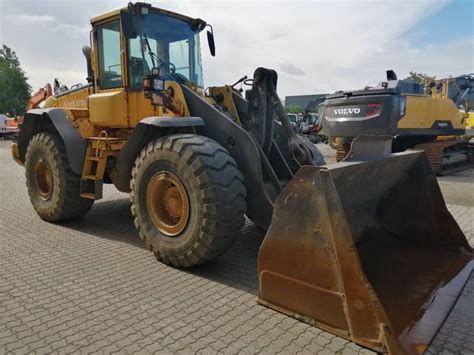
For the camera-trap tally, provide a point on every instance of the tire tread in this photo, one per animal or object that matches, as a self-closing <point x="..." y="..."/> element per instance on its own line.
<point x="223" y="194"/>
<point x="71" y="205"/>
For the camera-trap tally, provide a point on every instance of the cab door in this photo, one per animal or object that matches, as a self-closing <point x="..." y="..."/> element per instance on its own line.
<point x="139" y="65"/>
<point x="108" y="106"/>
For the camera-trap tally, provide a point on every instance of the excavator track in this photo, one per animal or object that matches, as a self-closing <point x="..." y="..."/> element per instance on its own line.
<point x="342" y="150"/>
<point x="449" y="156"/>
<point x="446" y="157"/>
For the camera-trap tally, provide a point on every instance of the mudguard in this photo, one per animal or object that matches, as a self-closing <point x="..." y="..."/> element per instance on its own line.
<point x="53" y="119"/>
<point x="172" y="121"/>
<point x="148" y="129"/>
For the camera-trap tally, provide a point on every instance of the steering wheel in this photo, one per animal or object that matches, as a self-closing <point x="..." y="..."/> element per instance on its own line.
<point x="168" y="66"/>
<point x="248" y="82"/>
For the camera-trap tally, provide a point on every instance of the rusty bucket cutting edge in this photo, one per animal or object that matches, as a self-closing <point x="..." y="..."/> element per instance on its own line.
<point x="367" y="251"/>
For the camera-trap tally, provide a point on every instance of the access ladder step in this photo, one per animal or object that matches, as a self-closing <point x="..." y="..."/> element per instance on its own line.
<point x="91" y="188"/>
<point x="91" y="177"/>
<point x="88" y="195"/>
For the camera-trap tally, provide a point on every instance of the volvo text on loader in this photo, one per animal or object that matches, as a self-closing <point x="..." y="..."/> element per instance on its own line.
<point x="365" y="249"/>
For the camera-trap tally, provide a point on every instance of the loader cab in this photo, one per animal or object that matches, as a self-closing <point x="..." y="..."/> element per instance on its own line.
<point x="127" y="44"/>
<point x="130" y="42"/>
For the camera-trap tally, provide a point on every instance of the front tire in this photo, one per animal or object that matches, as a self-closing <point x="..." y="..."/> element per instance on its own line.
<point x="188" y="199"/>
<point x="52" y="185"/>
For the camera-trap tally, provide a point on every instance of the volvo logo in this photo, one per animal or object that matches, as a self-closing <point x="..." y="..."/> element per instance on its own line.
<point x="346" y="111"/>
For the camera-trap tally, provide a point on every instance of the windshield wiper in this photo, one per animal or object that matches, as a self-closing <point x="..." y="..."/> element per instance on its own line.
<point x="162" y="63"/>
<point x="150" y="52"/>
<point x="137" y="24"/>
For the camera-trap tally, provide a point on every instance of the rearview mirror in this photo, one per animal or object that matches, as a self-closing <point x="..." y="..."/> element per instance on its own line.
<point x="210" y="41"/>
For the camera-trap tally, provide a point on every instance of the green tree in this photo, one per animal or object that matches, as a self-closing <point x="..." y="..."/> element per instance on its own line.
<point x="14" y="88"/>
<point x="293" y="109"/>
<point x="420" y="77"/>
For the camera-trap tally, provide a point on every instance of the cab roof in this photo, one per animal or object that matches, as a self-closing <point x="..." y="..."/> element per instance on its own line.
<point x="107" y="15"/>
<point x="116" y="12"/>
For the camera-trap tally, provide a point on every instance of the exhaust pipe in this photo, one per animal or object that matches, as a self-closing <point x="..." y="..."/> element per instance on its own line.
<point x="86" y="50"/>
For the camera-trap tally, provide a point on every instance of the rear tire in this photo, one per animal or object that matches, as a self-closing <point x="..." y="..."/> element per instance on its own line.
<point x="52" y="185"/>
<point x="197" y="212"/>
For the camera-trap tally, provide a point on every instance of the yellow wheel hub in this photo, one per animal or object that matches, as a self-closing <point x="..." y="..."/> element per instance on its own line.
<point x="43" y="179"/>
<point x="167" y="203"/>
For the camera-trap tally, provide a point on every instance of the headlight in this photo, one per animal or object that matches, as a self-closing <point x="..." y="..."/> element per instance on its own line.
<point x="158" y="84"/>
<point x="403" y="106"/>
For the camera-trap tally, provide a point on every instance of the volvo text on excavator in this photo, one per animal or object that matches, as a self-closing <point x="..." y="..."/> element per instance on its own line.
<point x="435" y="121"/>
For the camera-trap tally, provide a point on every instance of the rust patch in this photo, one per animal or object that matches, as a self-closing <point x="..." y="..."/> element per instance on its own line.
<point x="366" y="250"/>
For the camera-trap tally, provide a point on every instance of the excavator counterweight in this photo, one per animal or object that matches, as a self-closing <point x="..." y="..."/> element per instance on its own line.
<point x="435" y="118"/>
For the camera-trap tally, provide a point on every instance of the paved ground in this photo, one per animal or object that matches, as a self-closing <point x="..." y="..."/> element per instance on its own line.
<point x="458" y="188"/>
<point x="89" y="286"/>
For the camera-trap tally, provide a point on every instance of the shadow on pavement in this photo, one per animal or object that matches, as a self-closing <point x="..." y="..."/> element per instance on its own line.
<point x="237" y="267"/>
<point x="109" y="219"/>
<point x="112" y="220"/>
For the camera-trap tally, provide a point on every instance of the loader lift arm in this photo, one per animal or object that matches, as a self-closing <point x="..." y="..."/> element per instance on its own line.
<point x="263" y="148"/>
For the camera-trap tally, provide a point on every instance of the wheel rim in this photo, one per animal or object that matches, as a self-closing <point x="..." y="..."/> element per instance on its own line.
<point x="43" y="179"/>
<point x="167" y="203"/>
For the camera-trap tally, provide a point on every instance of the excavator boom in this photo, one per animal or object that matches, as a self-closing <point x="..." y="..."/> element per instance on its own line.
<point x="38" y="97"/>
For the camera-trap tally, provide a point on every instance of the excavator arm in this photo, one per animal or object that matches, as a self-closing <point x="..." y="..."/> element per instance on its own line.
<point x="39" y="96"/>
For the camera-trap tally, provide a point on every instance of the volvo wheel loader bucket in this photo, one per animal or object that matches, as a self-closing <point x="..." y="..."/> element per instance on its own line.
<point x="366" y="250"/>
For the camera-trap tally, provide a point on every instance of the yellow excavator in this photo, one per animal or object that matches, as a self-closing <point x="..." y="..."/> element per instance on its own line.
<point x="434" y="116"/>
<point x="460" y="90"/>
<point x="365" y="249"/>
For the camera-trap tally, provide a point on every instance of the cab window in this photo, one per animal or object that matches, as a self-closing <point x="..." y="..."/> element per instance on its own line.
<point x="110" y="68"/>
<point x="179" y="56"/>
<point x="168" y="43"/>
<point x="139" y="62"/>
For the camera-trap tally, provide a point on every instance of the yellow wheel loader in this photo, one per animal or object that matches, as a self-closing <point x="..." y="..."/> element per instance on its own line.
<point x="365" y="249"/>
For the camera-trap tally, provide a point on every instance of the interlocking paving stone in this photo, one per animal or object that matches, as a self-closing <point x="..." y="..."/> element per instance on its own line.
<point x="89" y="286"/>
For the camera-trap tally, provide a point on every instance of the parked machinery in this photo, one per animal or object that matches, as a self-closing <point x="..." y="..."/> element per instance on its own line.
<point x="365" y="249"/>
<point x="311" y="123"/>
<point x="39" y="96"/>
<point x="8" y="127"/>
<point x="431" y="122"/>
<point x="460" y="89"/>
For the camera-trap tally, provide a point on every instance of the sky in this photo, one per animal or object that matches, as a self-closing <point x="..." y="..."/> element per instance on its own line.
<point x="315" y="46"/>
